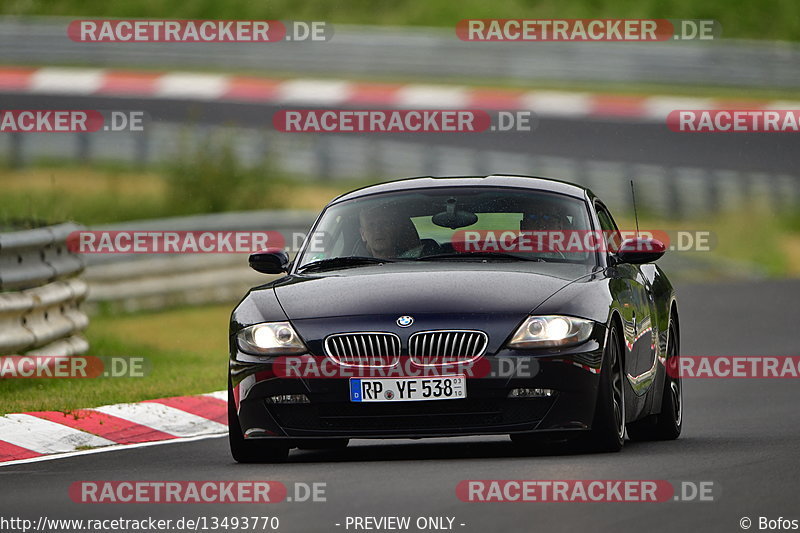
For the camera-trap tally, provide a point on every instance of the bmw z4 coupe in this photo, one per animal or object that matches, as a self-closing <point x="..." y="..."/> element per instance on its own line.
<point x="433" y="307"/>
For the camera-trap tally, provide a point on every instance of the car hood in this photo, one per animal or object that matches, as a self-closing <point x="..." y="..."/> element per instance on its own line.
<point x="409" y="289"/>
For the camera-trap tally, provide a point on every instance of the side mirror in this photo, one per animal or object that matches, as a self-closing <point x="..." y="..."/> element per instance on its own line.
<point x="640" y="250"/>
<point x="270" y="262"/>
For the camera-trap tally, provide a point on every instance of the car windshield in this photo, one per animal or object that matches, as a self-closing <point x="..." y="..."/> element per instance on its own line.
<point x="450" y="224"/>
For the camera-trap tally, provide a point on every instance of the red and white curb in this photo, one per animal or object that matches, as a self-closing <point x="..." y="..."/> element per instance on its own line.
<point x="39" y="434"/>
<point x="326" y="92"/>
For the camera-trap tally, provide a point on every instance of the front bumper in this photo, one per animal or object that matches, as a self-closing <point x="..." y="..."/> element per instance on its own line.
<point x="486" y="410"/>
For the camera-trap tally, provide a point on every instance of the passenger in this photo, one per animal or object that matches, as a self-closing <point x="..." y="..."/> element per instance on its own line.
<point x="388" y="234"/>
<point x="546" y="217"/>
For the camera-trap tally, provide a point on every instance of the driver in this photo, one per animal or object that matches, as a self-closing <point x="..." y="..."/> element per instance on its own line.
<point x="388" y="234"/>
<point x="545" y="217"/>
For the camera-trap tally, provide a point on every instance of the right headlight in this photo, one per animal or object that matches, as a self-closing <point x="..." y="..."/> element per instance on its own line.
<point x="270" y="338"/>
<point x="551" y="330"/>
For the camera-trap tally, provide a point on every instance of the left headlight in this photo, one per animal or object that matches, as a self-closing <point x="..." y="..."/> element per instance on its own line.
<point x="270" y="338"/>
<point x="550" y="331"/>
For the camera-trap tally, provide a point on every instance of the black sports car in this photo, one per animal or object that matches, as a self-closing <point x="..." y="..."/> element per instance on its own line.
<point x="456" y="306"/>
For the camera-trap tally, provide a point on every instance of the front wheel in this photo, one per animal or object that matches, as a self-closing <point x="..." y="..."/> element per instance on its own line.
<point x="608" y="425"/>
<point x="250" y="451"/>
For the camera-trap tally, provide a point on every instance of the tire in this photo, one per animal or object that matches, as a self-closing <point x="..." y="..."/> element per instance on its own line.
<point x="251" y="451"/>
<point x="322" y="444"/>
<point x="608" y="425"/>
<point x="667" y="424"/>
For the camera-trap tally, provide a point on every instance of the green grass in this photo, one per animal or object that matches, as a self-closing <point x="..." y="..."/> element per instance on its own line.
<point x="762" y="238"/>
<point x="185" y="352"/>
<point x="88" y="205"/>
<point x="765" y="19"/>
<point x="107" y="194"/>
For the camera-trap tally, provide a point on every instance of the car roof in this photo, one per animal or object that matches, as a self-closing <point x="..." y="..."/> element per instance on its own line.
<point x="492" y="180"/>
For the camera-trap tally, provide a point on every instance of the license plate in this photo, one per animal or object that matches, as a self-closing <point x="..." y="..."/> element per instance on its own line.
<point x="408" y="389"/>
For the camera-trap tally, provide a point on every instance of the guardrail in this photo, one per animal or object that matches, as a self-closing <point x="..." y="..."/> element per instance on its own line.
<point x="132" y="282"/>
<point x="426" y="52"/>
<point x="40" y="302"/>
<point x="33" y="257"/>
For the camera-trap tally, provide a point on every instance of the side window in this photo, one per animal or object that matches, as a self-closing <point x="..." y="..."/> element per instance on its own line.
<point x="335" y="241"/>
<point x="609" y="228"/>
<point x="326" y="243"/>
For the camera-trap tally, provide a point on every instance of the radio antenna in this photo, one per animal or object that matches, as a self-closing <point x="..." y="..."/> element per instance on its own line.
<point x="635" y="213"/>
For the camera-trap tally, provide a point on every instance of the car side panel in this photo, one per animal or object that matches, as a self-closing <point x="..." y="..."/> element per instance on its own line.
<point x="664" y="298"/>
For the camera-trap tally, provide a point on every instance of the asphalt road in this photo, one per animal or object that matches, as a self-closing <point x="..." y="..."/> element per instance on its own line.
<point x="742" y="435"/>
<point x="648" y="143"/>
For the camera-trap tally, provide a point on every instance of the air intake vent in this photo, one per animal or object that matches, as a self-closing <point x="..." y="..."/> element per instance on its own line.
<point x="446" y="346"/>
<point x="364" y="349"/>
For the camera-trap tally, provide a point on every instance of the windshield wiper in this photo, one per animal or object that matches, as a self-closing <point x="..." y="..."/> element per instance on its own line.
<point x="338" y="262"/>
<point x="479" y="255"/>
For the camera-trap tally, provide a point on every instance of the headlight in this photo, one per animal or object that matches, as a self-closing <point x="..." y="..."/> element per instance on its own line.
<point x="270" y="338"/>
<point x="550" y="331"/>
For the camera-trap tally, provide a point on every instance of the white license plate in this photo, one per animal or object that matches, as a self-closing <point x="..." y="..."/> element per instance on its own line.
<point x="408" y="389"/>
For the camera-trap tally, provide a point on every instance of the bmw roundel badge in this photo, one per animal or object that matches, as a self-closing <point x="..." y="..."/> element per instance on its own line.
<point x="405" y="321"/>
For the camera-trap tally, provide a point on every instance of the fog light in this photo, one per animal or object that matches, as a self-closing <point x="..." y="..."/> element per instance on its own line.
<point x="531" y="393"/>
<point x="288" y="398"/>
